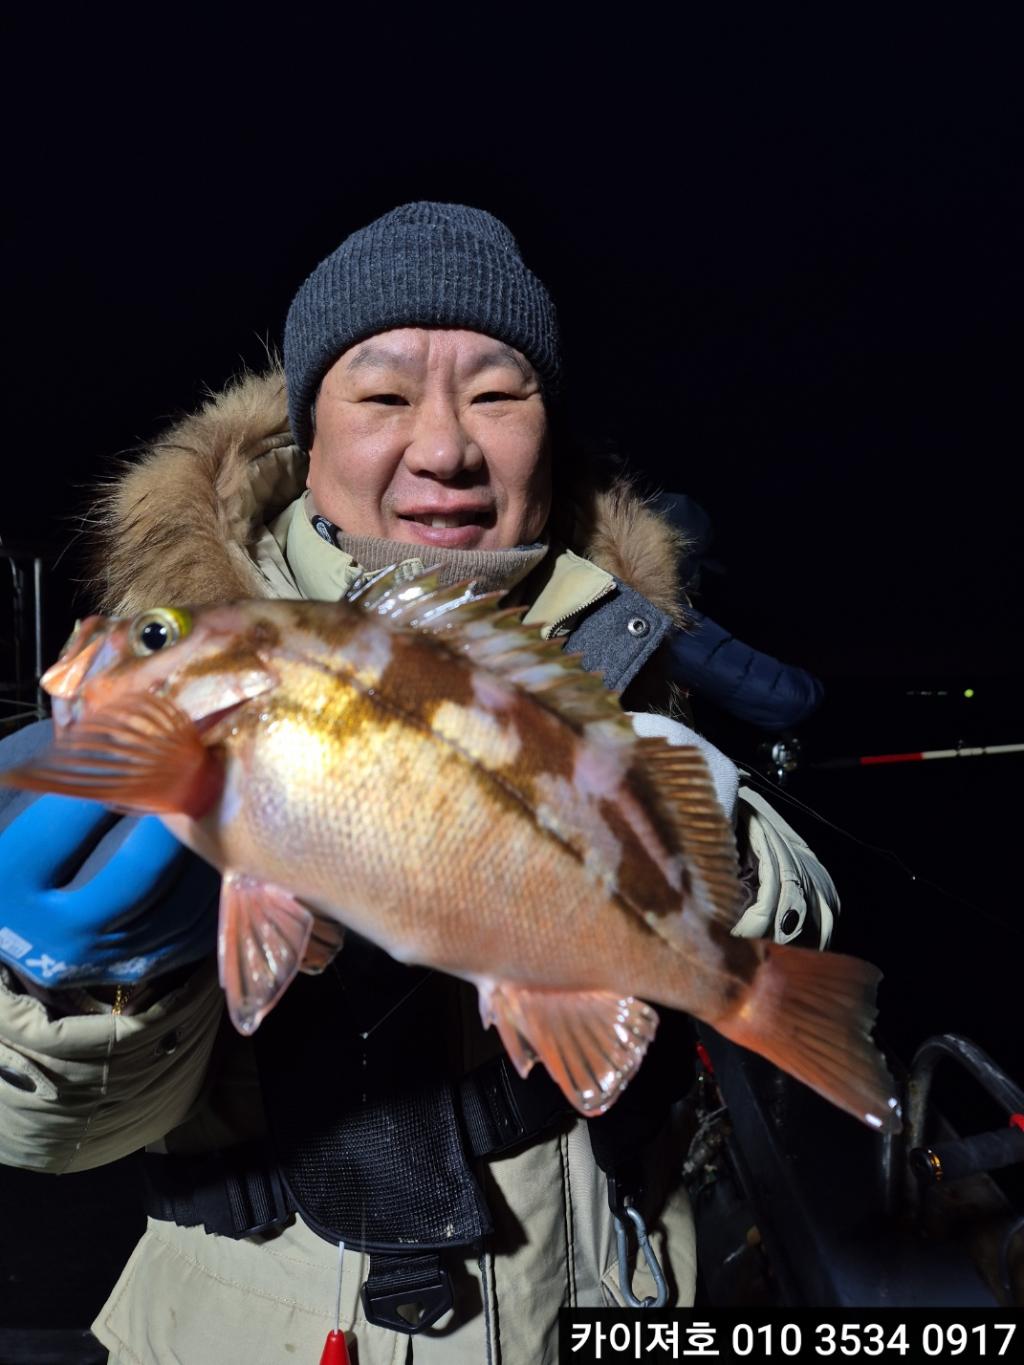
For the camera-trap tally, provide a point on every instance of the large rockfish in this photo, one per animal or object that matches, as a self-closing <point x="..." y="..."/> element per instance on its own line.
<point x="419" y="766"/>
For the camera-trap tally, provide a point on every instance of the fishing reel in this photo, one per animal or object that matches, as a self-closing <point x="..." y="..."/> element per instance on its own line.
<point x="780" y="756"/>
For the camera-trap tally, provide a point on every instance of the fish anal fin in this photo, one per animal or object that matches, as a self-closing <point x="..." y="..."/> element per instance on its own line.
<point x="591" y="1042"/>
<point x="811" y="1014"/>
<point x="262" y="941"/>
<point x="683" y="782"/>
<point x="143" y="754"/>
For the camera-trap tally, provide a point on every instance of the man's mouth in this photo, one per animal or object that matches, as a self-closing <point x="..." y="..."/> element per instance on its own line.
<point x="483" y="517"/>
<point x="456" y="528"/>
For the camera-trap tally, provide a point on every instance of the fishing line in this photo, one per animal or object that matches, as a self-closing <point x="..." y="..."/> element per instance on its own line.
<point x="337" y="1305"/>
<point x="776" y="792"/>
<point x="397" y="1005"/>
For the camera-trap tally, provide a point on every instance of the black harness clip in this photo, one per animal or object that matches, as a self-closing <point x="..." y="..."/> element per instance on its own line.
<point x="406" y="1293"/>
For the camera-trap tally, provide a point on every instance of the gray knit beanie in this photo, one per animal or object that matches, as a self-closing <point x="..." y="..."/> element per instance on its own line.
<point x="421" y="265"/>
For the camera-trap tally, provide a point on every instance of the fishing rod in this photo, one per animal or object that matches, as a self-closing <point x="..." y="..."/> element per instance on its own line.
<point x="776" y="790"/>
<point x="963" y="751"/>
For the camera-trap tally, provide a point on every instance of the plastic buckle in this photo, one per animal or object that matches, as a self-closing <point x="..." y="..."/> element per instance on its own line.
<point x="653" y="1265"/>
<point x="416" y="1304"/>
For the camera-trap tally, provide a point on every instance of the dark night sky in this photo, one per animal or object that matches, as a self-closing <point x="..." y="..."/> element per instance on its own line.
<point x="788" y="264"/>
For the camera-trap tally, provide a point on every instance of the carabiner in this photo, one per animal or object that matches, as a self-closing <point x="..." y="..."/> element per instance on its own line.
<point x="644" y="1243"/>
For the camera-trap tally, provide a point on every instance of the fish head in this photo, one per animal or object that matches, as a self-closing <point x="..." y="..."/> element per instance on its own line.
<point x="207" y="662"/>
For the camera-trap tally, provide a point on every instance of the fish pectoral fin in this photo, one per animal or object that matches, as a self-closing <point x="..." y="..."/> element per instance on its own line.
<point x="143" y="754"/>
<point x="326" y="940"/>
<point x="591" y="1042"/>
<point x="262" y="939"/>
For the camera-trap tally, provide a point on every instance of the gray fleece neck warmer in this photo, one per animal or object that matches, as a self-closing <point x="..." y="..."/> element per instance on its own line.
<point x="493" y="570"/>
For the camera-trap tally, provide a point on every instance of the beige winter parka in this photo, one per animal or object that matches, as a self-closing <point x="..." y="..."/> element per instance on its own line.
<point x="215" y="511"/>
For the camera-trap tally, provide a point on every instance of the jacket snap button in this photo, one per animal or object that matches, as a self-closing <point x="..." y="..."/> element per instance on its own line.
<point x="790" y="920"/>
<point x="636" y="625"/>
<point x="17" y="1078"/>
<point x="168" y="1043"/>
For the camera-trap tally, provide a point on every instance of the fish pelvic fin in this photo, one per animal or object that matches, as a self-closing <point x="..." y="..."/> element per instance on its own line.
<point x="262" y="940"/>
<point x="811" y="1014"/>
<point x="592" y="1042"/>
<point x="140" y="755"/>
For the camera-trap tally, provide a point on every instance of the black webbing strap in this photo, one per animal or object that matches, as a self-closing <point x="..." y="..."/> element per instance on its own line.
<point x="500" y="1109"/>
<point x="237" y="1192"/>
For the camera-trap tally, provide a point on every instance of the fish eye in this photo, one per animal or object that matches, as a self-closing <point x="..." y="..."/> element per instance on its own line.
<point x="158" y="629"/>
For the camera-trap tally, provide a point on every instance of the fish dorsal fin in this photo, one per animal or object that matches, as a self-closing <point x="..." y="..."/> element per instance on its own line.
<point x="470" y="623"/>
<point x="409" y="595"/>
<point x="680" y="775"/>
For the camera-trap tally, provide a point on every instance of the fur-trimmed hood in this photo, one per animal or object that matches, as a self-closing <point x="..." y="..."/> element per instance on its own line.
<point x="181" y="523"/>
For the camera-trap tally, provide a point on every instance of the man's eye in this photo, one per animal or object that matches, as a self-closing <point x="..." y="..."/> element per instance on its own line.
<point x="391" y="400"/>
<point x="493" y="396"/>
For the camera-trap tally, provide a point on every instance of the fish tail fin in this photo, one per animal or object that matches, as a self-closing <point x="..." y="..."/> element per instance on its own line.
<point x="811" y="1014"/>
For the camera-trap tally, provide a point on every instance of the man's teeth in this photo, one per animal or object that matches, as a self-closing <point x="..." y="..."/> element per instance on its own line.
<point x="449" y="521"/>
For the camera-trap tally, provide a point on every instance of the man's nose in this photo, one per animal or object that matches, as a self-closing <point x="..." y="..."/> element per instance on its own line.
<point x="440" y="444"/>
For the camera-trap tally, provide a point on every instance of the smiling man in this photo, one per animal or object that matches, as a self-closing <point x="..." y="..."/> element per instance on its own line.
<point x="434" y="437"/>
<point x="412" y="425"/>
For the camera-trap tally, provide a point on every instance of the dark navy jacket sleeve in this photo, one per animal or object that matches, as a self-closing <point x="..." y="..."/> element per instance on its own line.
<point x="741" y="680"/>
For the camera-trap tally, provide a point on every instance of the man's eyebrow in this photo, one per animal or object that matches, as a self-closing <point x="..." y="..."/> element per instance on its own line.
<point x="380" y="357"/>
<point x="372" y="355"/>
<point x="503" y="355"/>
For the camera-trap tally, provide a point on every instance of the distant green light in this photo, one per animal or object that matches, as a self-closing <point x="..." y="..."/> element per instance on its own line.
<point x="968" y="691"/>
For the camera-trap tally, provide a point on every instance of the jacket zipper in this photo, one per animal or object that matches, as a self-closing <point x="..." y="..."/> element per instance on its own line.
<point x="552" y="626"/>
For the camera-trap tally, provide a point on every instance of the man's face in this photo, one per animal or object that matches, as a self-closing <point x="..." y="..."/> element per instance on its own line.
<point x="433" y="436"/>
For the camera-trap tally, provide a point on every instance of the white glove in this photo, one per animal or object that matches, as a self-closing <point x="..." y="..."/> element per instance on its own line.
<point x="789" y="877"/>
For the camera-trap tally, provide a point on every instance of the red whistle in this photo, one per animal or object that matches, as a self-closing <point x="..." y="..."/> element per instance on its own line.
<point x="335" y="1350"/>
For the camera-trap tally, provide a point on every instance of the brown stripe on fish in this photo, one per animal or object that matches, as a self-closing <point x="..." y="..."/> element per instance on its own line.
<point x="642" y="880"/>
<point x="332" y="623"/>
<point x="423" y="674"/>
<point x="241" y="652"/>
<point x="548" y="746"/>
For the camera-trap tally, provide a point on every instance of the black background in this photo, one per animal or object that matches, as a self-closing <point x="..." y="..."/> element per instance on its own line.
<point x="787" y="255"/>
<point x="787" y="260"/>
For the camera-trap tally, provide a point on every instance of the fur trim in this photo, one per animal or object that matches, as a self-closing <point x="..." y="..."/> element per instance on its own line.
<point x="180" y="523"/>
<point x="628" y="539"/>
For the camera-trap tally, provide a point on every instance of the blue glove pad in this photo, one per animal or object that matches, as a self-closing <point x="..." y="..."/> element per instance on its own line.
<point x="88" y="897"/>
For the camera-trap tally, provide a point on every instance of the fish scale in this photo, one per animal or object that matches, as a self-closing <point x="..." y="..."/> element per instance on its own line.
<point x="429" y="798"/>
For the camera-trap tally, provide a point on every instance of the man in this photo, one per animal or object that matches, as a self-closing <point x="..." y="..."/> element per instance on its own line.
<point x="421" y="368"/>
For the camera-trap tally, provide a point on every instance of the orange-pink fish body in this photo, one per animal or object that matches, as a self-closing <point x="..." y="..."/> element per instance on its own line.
<point x="415" y="767"/>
